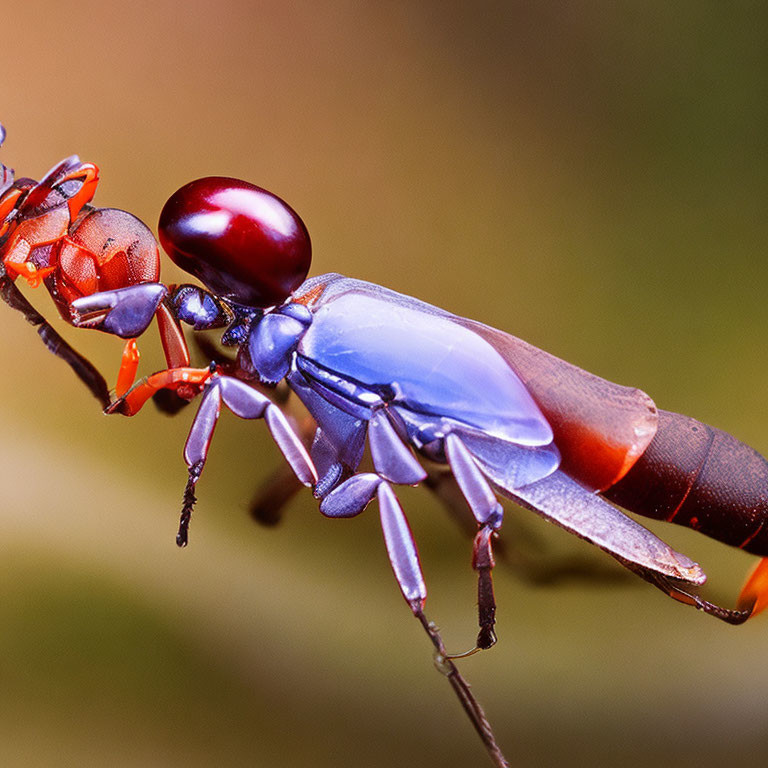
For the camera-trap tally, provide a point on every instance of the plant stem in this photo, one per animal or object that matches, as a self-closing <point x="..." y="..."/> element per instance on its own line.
<point x="461" y="688"/>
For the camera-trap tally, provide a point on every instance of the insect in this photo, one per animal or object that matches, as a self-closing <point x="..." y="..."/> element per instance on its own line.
<point x="407" y="379"/>
<point x="51" y="235"/>
<point x="374" y="366"/>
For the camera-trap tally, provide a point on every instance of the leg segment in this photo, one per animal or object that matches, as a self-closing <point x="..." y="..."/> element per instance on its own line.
<point x="483" y="563"/>
<point x="488" y="513"/>
<point x="83" y="368"/>
<point x="172" y="379"/>
<point x="246" y="403"/>
<point x="129" y="364"/>
<point x="405" y="563"/>
<point x="352" y="496"/>
<point x="401" y="548"/>
<point x="391" y="457"/>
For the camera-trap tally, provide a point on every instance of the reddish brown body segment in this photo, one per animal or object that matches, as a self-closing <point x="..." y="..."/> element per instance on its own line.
<point x="106" y="249"/>
<point x="654" y="463"/>
<point x="600" y="428"/>
<point x="701" y="477"/>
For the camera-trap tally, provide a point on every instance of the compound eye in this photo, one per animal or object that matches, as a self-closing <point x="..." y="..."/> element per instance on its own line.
<point x="246" y="244"/>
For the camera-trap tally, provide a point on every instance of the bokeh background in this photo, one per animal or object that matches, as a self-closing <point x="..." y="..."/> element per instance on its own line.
<point x="590" y="176"/>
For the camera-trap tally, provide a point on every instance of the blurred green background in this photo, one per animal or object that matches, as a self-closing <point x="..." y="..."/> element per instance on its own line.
<point x="589" y="176"/>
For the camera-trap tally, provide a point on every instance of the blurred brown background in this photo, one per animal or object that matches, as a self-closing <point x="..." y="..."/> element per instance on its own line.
<point x="589" y="176"/>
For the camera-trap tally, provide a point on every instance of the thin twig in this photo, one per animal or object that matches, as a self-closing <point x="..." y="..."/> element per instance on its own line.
<point x="461" y="688"/>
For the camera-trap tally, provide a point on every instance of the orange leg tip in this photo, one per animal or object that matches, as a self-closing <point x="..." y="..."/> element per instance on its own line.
<point x="28" y="272"/>
<point x="754" y="594"/>
<point x="41" y="274"/>
<point x="131" y="350"/>
<point x="171" y="378"/>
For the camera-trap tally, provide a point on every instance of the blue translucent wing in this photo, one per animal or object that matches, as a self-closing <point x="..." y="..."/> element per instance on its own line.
<point x="415" y="356"/>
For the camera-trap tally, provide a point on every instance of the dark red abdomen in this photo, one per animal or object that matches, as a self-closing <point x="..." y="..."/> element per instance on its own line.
<point x="246" y="244"/>
<point x="701" y="477"/>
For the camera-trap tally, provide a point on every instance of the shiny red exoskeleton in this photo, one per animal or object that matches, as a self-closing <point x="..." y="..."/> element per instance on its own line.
<point x="244" y="243"/>
<point x="51" y="235"/>
<point x="50" y="231"/>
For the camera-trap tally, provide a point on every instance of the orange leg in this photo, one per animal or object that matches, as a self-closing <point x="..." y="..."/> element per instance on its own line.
<point x="172" y="339"/>
<point x="754" y="594"/>
<point x="7" y="204"/>
<point x="88" y="173"/>
<point x="128" y="367"/>
<point x="172" y="378"/>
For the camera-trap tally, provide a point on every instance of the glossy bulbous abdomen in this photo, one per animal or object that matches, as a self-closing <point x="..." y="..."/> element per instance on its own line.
<point x="246" y="244"/>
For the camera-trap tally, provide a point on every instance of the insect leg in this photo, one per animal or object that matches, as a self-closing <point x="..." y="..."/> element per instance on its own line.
<point x="168" y="401"/>
<point x="196" y="452"/>
<point x="525" y="552"/>
<point x="129" y="364"/>
<point x="404" y="558"/>
<point x="172" y="379"/>
<point x="83" y="368"/>
<point x="393" y="462"/>
<point x="269" y="500"/>
<point x="489" y="514"/>
<point x="246" y="403"/>
<point x="124" y="312"/>
<point x="401" y="548"/>
<point x="176" y="354"/>
<point x="352" y="496"/>
<point x="392" y="459"/>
